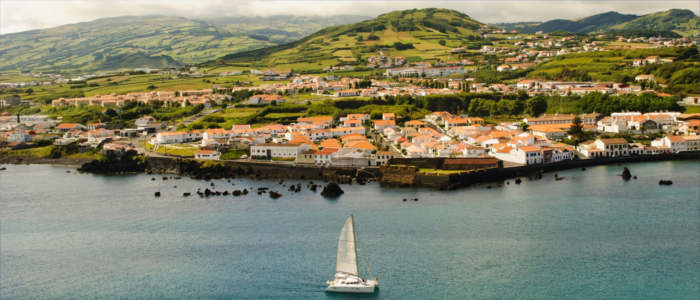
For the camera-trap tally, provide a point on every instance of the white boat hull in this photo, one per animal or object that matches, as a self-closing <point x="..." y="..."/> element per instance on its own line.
<point x="351" y="289"/>
<point x="364" y="287"/>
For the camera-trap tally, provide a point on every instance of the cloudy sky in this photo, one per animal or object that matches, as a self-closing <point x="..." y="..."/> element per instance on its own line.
<point x="21" y="15"/>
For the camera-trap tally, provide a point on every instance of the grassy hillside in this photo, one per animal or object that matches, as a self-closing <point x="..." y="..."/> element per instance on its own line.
<point x="681" y="21"/>
<point x="589" y="24"/>
<point x="415" y="34"/>
<point x="149" y="41"/>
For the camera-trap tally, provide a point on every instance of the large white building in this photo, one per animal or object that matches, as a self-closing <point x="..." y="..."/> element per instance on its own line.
<point x="270" y="150"/>
<point x="526" y="155"/>
<point x="176" y="137"/>
<point x="674" y="143"/>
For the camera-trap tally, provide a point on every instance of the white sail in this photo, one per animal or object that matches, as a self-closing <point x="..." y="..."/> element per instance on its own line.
<point x="347" y="254"/>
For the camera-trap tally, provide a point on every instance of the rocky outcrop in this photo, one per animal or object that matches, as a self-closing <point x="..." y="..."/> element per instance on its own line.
<point x="626" y="175"/>
<point x="332" y="190"/>
<point x="127" y="162"/>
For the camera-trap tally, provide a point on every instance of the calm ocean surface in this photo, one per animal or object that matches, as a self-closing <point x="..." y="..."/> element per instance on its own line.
<point x="590" y="236"/>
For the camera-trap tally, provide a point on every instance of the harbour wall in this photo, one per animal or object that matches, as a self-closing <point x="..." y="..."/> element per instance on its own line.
<point x="407" y="174"/>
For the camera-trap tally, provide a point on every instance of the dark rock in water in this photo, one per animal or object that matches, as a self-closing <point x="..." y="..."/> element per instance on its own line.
<point x="225" y="193"/>
<point x="583" y="169"/>
<point x="665" y="182"/>
<point x="3" y="169"/>
<point x="165" y="178"/>
<point x="186" y="194"/>
<point x="507" y="182"/>
<point x="176" y="177"/>
<point x="313" y="188"/>
<point x="558" y="178"/>
<point x="157" y="194"/>
<point x="415" y="199"/>
<point x="218" y="193"/>
<point x="404" y="199"/>
<point x="211" y="184"/>
<point x="634" y="177"/>
<point x="332" y="190"/>
<point x="245" y="192"/>
<point x="274" y="195"/>
<point x="518" y="180"/>
<point x="153" y="179"/>
<point x="236" y="193"/>
<point x="626" y="175"/>
<point x="68" y="171"/>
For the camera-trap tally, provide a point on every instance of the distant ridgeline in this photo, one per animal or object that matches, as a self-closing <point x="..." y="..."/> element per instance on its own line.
<point x="287" y="41"/>
<point x="150" y="41"/>
<point x="670" y="23"/>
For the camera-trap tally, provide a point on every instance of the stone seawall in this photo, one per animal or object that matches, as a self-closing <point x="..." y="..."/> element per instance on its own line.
<point x="260" y="170"/>
<point x="457" y="180"/>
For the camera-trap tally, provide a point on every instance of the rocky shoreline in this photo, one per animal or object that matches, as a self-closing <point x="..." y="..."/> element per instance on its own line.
<point x="130" y="163"/>
<point x="31" y="160"/>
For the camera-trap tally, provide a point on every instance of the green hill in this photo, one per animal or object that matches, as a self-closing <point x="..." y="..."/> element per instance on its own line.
<point x="585" y="25"/>
<point x="681" y="21"/>
<point x="149" y="41"/>
<point x="416" y="34"/>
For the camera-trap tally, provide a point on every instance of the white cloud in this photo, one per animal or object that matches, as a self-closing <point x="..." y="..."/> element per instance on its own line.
<point x="20" y="15"/>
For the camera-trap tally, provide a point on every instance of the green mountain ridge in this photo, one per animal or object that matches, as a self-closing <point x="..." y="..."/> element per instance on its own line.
<point x="150" y="41"/>
<point x="424" y="33"/>
<point x="680" y="21"/>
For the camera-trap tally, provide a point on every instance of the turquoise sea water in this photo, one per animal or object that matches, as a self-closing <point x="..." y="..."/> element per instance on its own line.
<point x="590" y="236"/>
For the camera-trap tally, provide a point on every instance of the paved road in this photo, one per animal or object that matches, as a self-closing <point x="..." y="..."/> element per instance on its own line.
<point x="201" y="114"/>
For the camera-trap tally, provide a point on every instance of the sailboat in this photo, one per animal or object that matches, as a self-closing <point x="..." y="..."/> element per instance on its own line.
<point x="347" y="278"/>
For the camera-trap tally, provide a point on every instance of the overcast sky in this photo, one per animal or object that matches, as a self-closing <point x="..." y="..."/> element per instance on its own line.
<point x="21" y="15"/>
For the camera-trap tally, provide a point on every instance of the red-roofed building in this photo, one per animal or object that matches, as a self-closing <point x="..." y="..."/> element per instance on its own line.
<point x="207" y="154"/>
<point x="383" y="124"/>
<point x="65" y="127"/>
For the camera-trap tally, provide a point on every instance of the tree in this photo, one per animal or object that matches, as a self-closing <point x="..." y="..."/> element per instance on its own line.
<point x="30" y="91"/>
<point x="442" y="42"/>
<point x="524" y="126"/>
<point x="576" y="131"/>
<point x="535" y="106"/>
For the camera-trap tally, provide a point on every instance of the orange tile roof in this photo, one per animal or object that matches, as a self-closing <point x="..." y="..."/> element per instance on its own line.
<point x="67" y="125"/>
<point x="327" y="151"/>
<point x="529" y="148"/>
<point x="384" y="122"/>
<point x="361" y="145"/>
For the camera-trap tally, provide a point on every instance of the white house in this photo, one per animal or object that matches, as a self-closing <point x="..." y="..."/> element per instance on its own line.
<point x="526" y="155"/>
<point x="675" y="143"/>
<point x="207" y="154"/>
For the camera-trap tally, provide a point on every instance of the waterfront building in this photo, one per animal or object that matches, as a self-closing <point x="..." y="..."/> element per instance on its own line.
<point x="674" y="143"/>
<point x="306" y="157"/>
<point x="207" y="154"/>
<point x="281" y="150"/>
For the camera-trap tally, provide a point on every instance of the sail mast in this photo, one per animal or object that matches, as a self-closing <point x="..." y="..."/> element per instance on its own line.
<point x="354" y="241"/>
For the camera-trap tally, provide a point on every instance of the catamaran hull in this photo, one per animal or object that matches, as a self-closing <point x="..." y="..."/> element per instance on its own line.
<point x="351" y="289"/>
<point x="362" y="287"/>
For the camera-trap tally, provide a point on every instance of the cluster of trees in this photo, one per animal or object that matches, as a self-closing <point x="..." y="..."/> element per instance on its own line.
<point x="124" y="116"/>
<point x="491" y="104"/>
<point x="606" y="104"/>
